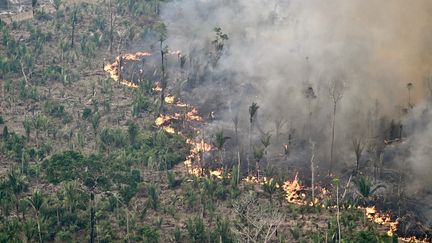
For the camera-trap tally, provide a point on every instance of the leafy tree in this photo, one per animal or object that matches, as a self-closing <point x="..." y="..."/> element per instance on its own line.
<point x="37" y="201"/>
<point x="27" y="124"/>
<point x="133" y="131"/>
<point x="153" y="200"/>
<point x="196" y="230"/>
<point x="95" y="122"/>
<point x="219" y="142"/>
<point x="64" y="167"/>
<point x="150" y="234"/>
<point x="87" y="112"/>
<point x="29" y="228"/>
<point x="34" y="3"/>
<point x="40" y="123"/>
<point x="73" y="19"/>
<point x="223" y="231"/>
<point x="258" y="156"/>
<point x="270" y="187"/>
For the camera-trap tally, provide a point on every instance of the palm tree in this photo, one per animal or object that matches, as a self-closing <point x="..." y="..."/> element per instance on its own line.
<point x="37" y="201"/>
<point x="29" y="229"/>
<point x="358" y="146"/>
<point x="258" y="155"/>
<point x="219" y="143"/>
<point x="27" y="127"/>
<point x="74" y="19"/>
<point x="253" y="109"/>
<point x="16" y="185"/>
<point x="310" y="96"/>
<point x="69" y="192"/>
<point x="365" y="188"/>
<point x="265" y="141"/>
<point x="270" y="187"/>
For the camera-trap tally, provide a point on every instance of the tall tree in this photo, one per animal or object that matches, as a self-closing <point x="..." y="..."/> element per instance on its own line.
<point x="37" y="201"/>
<point x="358" y="144"/>
<point x="336" y="90"/>
<point x="253" y="109"/>
<point x="409" y="87"/>
<point x="164" y="77"/>
<point x="73" y="19"/>
<point x="219" y="142"/>
<point x="310" y="96"/>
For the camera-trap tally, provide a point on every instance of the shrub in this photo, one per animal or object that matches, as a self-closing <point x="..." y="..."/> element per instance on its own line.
<point x="196" y="230"/>
<point x="153" y="201"/>
<point x="86" y="113"/>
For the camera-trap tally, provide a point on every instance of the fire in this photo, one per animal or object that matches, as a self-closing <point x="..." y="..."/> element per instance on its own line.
<point x="113" y="68"/>
<point x="135" y="56"/>
<point x="170" y="99"/>
<point x="193" y="115"/>
<point x="218" y="173"/>
<point x="293" y="191"/>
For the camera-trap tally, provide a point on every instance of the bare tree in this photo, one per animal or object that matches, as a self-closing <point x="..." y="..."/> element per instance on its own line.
<point x="259" y="222"/>
<point x="336" y="183"/>
<point x="409" y="87"/>
<point x="336" y="90"/>
<point x="279" y="123"/>
<point x="358" y="144"/>
<point x="310" y="96"/>
<point x="236" y="123"/>
<point x="312" y="170"/>
<point x="253" y="109"/>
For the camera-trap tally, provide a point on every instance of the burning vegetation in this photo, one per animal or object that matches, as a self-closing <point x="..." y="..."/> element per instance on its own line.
<point x="196" y="164"/>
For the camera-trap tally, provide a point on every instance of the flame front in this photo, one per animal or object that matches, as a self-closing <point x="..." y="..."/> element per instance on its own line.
<point x="293" y="189"/>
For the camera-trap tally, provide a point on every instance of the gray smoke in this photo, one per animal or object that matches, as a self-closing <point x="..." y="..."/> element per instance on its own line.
<point x="278" y="48"/>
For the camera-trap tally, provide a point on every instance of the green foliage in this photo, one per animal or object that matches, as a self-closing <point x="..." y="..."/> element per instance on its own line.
<point x="153" y="200"/>
<point x="133" y="131"/>
<point x="150" y="234"/>
<point x="177" y="235"/>
<point x="140" y="104"/>
<point x="112" y="138"/>
<point x="42" y="15"/>
<point x="270" y="187"/>
<point x="128" y="192"/>
<point x="223" y="233"/>
<point x="253" y="109"/>
<point x="172" y="181"/>
<point x="196" y="230"/>
<point x="65" y="166"/>
<point x="190" y="197"/>
<point x="87" y="112"/>
<point x="295" y="232"/>
<point x="54" y="109"/>
<point x="220" y="140"/>
<point x="365" y="188"/>
<point x="1" y="120"/>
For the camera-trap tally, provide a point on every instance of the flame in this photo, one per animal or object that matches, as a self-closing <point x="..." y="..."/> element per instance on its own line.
<point x="218" y="173"/>
<point x="113" y="68"/>
<point x="193" y="115"/>
<point x="293" y="191"/>
<point x="170" y="99"/>
<point x="134" y="56"/>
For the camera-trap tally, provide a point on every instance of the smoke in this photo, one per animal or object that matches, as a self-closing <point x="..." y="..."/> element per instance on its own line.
<point x="278" y="48"/>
